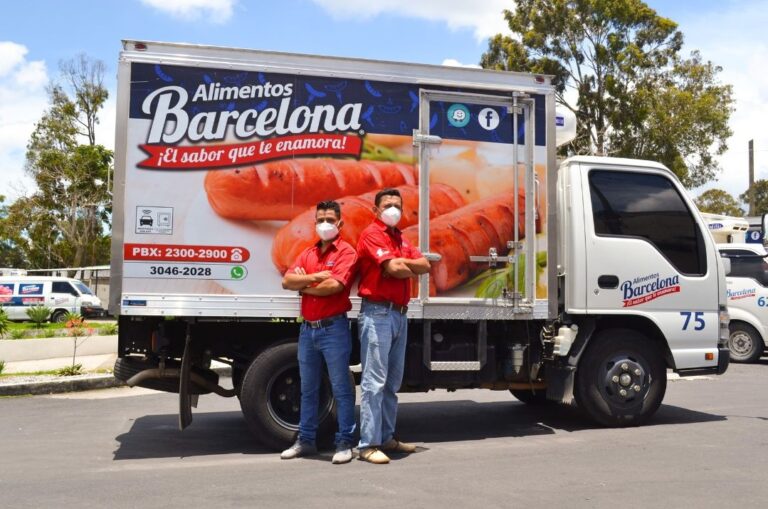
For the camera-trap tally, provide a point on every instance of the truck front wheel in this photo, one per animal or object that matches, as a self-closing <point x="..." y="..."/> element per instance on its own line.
<point x="270" y="397"/>
<point x="744" y="342"/>
<point x="621" y="379"/>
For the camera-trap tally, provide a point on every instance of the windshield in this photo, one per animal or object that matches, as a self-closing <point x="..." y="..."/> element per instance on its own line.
<point x="83" y="289"/>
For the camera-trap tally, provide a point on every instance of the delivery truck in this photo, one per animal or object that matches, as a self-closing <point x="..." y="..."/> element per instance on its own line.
<point x="581" y="281"/>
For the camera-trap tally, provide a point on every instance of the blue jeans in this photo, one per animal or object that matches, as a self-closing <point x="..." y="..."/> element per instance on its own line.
<point x="334" y="344"/>
<point x="383" y="337"/>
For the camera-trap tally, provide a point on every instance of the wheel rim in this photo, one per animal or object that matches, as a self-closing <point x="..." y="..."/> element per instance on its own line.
<point x="740" y="343"/>
<point x="284" y="398"/>
<point x="625" y="379"/>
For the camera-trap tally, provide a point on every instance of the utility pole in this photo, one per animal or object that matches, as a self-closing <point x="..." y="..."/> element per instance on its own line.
<point x="751" y="177"/>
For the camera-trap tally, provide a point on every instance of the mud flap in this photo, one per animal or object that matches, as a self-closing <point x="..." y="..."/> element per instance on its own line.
<point x="186" y="400"/>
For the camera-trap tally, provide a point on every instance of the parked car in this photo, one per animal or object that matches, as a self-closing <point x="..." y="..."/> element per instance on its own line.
<point x="747" y="300"/>
<point x="62" y="295"/>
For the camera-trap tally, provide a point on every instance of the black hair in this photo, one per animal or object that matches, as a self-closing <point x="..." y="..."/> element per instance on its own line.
<point x="386" y="192"/>
<point x="330" y="205"/>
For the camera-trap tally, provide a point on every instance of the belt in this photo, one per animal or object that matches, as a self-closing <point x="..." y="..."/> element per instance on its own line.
<point x="390" y="305"/>
<point x="325" y="322"/>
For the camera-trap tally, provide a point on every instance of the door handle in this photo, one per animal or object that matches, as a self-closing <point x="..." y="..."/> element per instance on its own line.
<point x="608" y="282"/>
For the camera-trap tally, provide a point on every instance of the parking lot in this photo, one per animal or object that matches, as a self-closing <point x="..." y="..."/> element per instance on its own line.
<point x="706" y="447"/>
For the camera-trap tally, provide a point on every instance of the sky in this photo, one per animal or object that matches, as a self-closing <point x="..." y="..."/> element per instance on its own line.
<point x="36" y="35"/>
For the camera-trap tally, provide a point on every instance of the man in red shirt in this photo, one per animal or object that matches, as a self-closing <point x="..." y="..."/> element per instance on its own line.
<point x="323" y="274"/>
<point x="387" y="264"/>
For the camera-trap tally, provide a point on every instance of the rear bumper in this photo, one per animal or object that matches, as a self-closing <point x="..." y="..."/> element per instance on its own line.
<point x="723" y="360"/>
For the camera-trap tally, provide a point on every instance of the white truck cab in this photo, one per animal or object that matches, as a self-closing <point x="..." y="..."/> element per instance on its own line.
<point x="62" y="295"/>
<point x="637" y="252"/>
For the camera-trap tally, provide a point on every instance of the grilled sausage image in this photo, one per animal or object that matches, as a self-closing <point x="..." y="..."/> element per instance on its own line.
<point x="470" y="230"/>
<point x="357" y="213"/>
<point x="284" y="189"/>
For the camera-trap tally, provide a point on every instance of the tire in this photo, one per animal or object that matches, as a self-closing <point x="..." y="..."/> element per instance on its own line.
<point x="616" y="360"/>
<point x="744" y="342"/>
<point x="126" y="367"/>
<point x="270" y="397"/>
<point x="531" y="397"/>
<point x="59" y="316"/>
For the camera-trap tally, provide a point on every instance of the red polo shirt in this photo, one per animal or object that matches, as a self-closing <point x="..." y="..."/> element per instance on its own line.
<point x="341" y="259"/>
<point x="377" y="244"/>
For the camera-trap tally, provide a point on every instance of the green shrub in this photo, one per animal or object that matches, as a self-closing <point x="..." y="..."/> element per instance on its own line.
<point x="109" y="329"/>
<point x="18" y="334"/>
<point x="5" y="323"/>
<point x="39" y="315"/>
<point x="75" y="369"/>
<point x="2" y="367"/>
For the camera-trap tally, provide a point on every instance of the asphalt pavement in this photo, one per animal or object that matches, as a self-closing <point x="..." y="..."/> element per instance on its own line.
<point x="706" y="447"/>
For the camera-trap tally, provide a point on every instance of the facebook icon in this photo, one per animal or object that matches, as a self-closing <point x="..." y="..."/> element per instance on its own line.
<point x="488" y="118"/>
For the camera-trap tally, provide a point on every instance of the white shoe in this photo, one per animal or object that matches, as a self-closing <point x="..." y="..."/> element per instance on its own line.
<point x="343" y="454"/>
<point x="298" y="450"/>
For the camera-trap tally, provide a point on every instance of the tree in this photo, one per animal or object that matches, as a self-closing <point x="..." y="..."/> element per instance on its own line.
<point x="616" y="65"/>
<point x="11" y="255"/>
<point x="686" y="122"/>
<point x="64" y="221"/>
<point x="717" y="201"/>
<point x="760" y="190"/>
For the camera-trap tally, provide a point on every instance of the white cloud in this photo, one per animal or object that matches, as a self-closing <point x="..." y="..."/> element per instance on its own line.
<point x="23" y="100"/>
<point x="736" y="43"/>
<point x="452" y="62"/>
<point x="484" y="18"/>
<point x="218" y="11"/>
<point x="11" y="55"/>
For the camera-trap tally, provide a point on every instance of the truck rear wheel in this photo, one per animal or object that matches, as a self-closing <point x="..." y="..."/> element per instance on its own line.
<point x="621" y="379"/>
<point x="744" y="342"/>
<point x="270" y="397"/>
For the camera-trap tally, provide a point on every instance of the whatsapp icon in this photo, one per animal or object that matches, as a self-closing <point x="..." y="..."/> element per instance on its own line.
<point x="237" y="272"/>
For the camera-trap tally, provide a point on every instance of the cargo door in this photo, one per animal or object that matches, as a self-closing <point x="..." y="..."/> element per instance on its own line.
<point x="477" y="213"/>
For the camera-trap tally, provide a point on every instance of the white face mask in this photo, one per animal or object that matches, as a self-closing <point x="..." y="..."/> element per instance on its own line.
<point x="390" y="216"/>
<point x="326" y="231"/>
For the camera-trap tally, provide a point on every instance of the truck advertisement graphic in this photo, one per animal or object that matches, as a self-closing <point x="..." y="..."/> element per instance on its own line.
<point x="216" y="155"/>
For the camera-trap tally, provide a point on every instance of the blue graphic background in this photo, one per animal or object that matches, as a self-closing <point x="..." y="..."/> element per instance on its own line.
<point x="388" y="108"/>
<point x="34" y="294"/>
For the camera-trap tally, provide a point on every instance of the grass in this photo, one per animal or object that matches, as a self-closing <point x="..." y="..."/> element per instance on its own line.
<point x="74" y="369"/>
<point x="29" y="330"/>
<point x="32" y="325"/>
<point x="29" y="373"/>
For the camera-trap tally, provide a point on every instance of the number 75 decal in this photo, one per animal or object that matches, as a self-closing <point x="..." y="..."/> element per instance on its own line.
<point x="698" y="319"/>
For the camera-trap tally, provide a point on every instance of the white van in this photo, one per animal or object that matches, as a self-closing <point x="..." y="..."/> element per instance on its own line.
<point x="747" y="300"/>
<point x="62" y="295"/>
